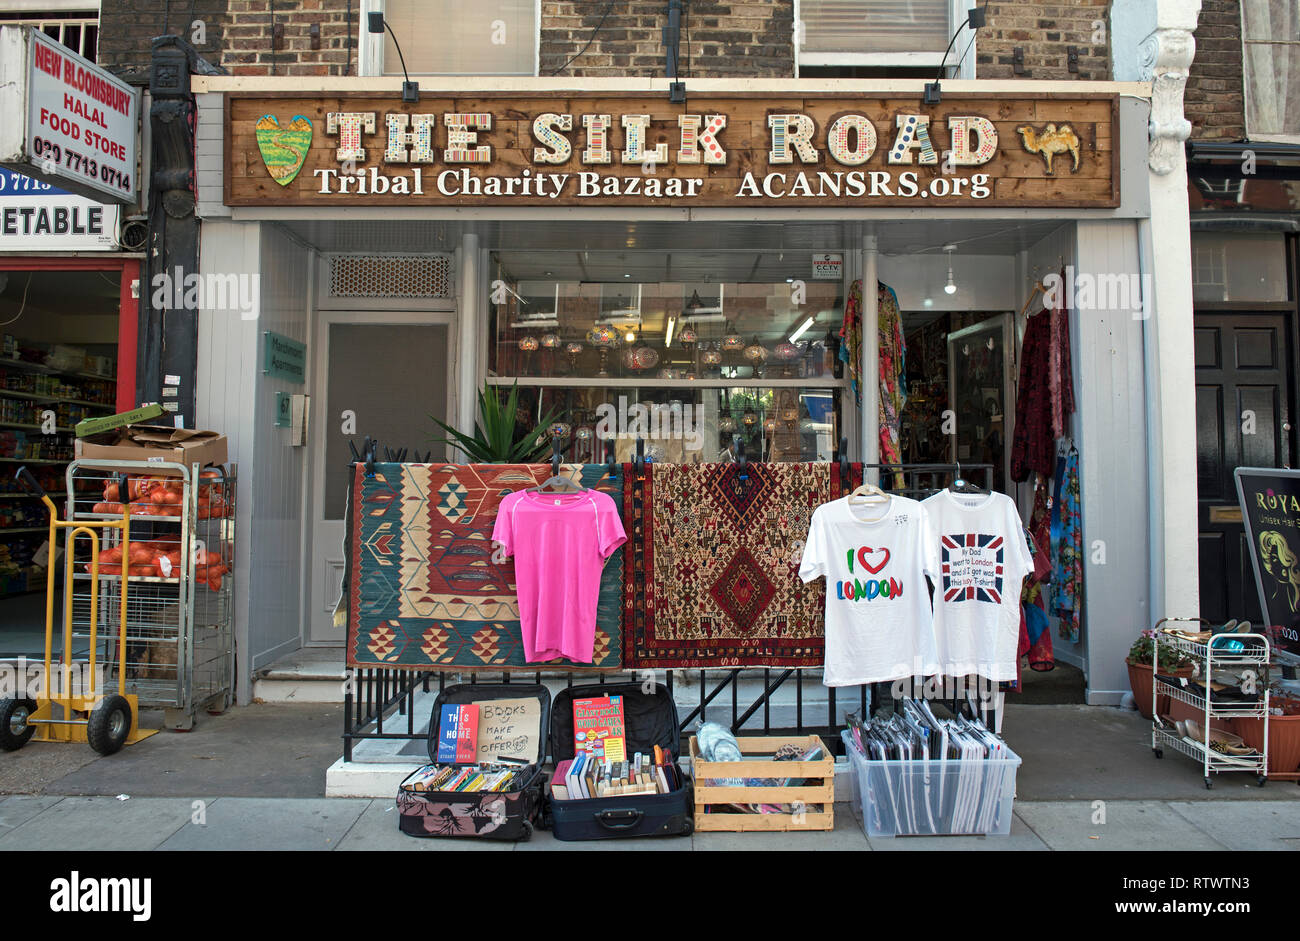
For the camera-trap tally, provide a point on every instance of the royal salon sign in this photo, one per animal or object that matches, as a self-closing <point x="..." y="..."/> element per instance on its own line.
<point x="738" y="150"/>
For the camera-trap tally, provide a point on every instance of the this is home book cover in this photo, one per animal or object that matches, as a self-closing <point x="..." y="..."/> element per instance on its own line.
<point x="458" y="734"/>
<point x="598" y="727"/>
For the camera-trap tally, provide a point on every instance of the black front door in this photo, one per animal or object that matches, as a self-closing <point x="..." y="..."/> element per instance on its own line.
<point x="1242" y="420"/>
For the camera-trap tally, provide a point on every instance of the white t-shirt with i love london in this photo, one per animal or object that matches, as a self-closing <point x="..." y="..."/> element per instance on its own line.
<point x="875" y="558"/>
<point x="984" y="558"/>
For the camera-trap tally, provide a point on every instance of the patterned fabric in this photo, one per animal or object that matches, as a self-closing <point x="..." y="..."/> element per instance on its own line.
<point x="1067" y="559"/>
<point x="424" y="590"/>
<point x="851" y="340"/>
<point x="1046" y="391"/>
<point x="712" y="565"/>
<point x="893" y="379"/>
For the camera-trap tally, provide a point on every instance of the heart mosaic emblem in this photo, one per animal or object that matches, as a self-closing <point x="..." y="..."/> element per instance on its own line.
<point x="284" y="149"/>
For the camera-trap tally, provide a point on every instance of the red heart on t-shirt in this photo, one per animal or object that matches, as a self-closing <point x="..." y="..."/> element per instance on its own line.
<point x="867" y="565"/>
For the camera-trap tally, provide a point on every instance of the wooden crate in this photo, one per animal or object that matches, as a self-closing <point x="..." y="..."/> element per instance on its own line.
<point x="821" y="771"/>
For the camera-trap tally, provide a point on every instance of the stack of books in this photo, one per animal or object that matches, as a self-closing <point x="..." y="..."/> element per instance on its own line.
<point x="585" y="776"/>
<point x="466" y="778"/>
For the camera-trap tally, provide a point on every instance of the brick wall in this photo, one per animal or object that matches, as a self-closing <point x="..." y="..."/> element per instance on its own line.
<point x="127" y="28"/>
<point x="238" y="34"/>
<point x="249" y="35"/>
<point x="1214" y="100"/>
<point x="1045" y="31"/>
<point x="749" y="38"/>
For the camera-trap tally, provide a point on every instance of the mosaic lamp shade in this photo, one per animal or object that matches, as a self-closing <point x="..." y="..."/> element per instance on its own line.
<point x="603" y="336"/>
<point x="528" y="344"/>
<point x="551" y="341"/>
<point x="786" y="351"/>
<point x="688" y="336"/>
<point x="756" y="352"/>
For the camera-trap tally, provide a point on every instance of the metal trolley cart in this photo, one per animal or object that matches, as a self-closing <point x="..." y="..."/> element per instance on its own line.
<point x="179" y="565"/>
<point x="73" y="706"/>
<point x="1243" y="655"/>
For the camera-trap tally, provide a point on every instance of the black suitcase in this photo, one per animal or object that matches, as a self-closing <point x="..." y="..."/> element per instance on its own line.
<point x="496" y="815"/>
<point x="649" y="720"/>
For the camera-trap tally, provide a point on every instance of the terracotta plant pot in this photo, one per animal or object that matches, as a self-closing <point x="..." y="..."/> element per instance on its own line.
<point x="1140" y="679"/>
<point x="1283" y="741"/>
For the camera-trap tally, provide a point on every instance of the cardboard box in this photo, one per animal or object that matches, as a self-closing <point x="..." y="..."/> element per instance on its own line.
<point x="154" y="443"/>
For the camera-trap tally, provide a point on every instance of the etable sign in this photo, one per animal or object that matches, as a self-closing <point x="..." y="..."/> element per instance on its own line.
<point x="38" y="217"/>
<point x="284" y="358"/>
<point x="68" y="122"/>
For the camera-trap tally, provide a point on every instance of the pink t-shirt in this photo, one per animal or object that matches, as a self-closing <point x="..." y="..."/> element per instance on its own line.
<point x="560" y="542"/>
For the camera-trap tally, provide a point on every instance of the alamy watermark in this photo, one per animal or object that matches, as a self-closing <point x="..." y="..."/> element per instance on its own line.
<point x="1122" y="292"/>
<point x="21" y="678"/>
<point x="213" y="292"/>
<point x="655" y="420"/>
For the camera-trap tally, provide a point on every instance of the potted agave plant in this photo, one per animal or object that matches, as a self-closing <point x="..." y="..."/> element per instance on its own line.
<point x="497" y="437"/>
<point x="1142" y="668"/>
<point x="1283" y="732"/>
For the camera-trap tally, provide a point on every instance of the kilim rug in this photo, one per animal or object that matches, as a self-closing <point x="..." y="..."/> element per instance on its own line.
<point x="424" y="590"/>
<point x="712" y="564"/>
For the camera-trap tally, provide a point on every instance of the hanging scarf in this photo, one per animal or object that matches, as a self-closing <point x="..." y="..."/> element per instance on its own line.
<point x="1067" y="542"/>
<point x="851" y="340"/>
<point x="893" y="380"/>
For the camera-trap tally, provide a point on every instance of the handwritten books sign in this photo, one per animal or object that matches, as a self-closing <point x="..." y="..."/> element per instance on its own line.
<point x="509" y="728"/>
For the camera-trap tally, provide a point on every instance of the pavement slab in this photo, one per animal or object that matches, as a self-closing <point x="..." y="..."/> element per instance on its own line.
<point x="15" y="811"/>
<point x="1272" y="825"/>
<point x="1129" y="825"/>
<point x="251" y="823"/>
<point x="100" y="823"/>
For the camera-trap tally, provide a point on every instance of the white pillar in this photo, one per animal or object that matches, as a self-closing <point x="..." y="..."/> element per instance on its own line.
<point x="1167" y="53"/>
<point x="870" y="369"/>
<point x="469" y="327"/>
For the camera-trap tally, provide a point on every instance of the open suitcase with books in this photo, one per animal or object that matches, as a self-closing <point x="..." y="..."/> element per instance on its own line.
<point x="650" y="719"/>
<point x="511" y="736"/>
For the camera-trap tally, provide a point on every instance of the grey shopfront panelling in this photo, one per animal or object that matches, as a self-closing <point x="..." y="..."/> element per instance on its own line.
<point x="1111" y="432"/>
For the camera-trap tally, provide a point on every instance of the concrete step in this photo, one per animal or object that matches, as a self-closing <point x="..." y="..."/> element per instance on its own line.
<point x="311" y="674"/>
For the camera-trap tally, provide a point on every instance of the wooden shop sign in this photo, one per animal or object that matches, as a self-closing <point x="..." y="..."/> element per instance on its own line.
<point x="813" y="150"/>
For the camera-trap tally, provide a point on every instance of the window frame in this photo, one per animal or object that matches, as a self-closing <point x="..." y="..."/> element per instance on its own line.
<point x="52" y="13"/>
<point x="1252" y="134"/>
<point x="370" y="46"/>
<point x="956" y="14"/>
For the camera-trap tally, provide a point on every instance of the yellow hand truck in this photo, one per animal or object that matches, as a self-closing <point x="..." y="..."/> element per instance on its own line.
<point x="68" y="707"/>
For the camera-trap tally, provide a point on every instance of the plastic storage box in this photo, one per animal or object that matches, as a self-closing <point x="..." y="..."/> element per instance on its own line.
<point x="932" y="798"/>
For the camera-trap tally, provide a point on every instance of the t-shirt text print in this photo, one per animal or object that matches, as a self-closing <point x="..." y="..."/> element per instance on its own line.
<point x="868" y="562"/>
<point x="972" y="566"/>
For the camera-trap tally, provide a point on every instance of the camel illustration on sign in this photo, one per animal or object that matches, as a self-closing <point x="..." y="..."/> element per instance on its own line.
<point x="1051" y="141"/>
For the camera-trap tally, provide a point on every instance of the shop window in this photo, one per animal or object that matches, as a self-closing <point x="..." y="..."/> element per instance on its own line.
<point x="618" y="350"/>
<point x="893" y="38"/>
<point x="1270" y="35"/>
<point x="78" y="30"/>
<point x="488" y="37"/>
<point x="1238" y="267"/>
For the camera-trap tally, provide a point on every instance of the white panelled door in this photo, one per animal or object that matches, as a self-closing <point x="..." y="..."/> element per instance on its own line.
<point x="384" y="373"/>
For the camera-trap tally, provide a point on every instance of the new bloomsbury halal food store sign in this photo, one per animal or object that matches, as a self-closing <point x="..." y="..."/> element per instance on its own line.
<point x="630" y="150"/>
<point x="64" y="120"/>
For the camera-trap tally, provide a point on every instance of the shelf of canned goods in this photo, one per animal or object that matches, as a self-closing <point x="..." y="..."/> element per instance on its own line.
<point x="178" y="562"/>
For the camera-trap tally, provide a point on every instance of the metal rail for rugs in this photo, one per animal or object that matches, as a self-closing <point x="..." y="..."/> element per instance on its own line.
<point x="376" y="697"/>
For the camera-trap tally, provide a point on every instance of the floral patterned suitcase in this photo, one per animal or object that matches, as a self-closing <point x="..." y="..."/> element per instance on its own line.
<point x="504" y="815"/>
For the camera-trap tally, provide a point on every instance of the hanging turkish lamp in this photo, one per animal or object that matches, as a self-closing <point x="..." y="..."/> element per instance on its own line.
<point x="710" y="357"/>
<point x="732" y="341"/>
<point x="750" y="418"/>
<point x="727" y="424"/>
